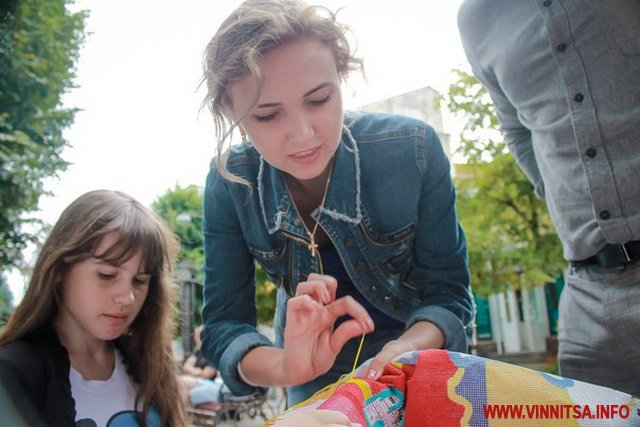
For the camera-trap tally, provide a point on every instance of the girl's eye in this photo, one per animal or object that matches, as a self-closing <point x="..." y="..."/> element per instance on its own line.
<point x="266" y="118"/>
<point x="321" y="101"/>
<point x="106" y="276"/>
<point x="144" y="280"/>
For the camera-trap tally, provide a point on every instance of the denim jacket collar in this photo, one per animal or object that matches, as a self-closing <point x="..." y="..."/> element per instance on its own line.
<point x="343" y="197"/>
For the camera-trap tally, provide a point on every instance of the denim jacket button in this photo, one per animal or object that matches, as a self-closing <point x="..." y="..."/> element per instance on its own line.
<point x="387" y="298"/>
<point x="374" y="288"/>
<point x="349" y="242"/>
<point x="361" y="266"/>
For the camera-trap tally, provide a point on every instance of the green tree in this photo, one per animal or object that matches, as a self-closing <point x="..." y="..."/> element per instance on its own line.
<point x="182" y="208"/>
<point x="6" y="301"/>
<point x="265" y="297"/>
<point x="511" y="238"/>
<point x="39" y="44"/>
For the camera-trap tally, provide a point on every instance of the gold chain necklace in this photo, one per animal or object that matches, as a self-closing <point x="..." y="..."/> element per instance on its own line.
<point x="313" y="246"/>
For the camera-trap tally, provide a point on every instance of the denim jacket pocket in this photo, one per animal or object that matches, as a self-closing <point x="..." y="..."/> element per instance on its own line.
<point x="267" y="256"/>
<point x="388" y="238"/>
<point x="399" y="258"/>
<point x="394" y="249"/>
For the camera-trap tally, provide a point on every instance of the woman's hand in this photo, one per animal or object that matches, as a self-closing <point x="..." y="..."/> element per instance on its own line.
<point x="311" y="344"/>
<point x="420" y="336"/>
<point x="314" y="418"/>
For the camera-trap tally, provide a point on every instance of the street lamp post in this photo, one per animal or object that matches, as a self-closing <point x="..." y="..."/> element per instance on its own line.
<point x="185" y="280"/>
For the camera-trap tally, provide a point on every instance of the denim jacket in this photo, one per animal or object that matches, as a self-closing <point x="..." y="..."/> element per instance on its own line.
<point x="389" y="212"/>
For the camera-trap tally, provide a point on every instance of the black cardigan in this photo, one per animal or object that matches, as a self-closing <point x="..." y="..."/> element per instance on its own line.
<point x="34" y="382"/>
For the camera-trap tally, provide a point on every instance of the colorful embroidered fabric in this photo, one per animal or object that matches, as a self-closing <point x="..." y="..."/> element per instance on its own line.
<point x="441" y="388"/>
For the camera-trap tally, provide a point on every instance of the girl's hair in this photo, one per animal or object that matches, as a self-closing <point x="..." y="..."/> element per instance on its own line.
<point x="146" y="348"/>
<point x="243" y="39"/>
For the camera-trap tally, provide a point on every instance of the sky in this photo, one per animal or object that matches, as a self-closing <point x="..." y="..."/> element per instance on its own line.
<point x="140" y="129"/>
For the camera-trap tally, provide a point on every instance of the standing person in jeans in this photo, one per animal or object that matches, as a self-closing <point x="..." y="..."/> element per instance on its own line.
<point x="565" y="79"/>
<point x="348" y="214"/>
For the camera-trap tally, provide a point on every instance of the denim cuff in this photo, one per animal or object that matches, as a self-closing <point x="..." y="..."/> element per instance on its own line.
<point x="455" y="336"/>
<point x="232" y="356"/>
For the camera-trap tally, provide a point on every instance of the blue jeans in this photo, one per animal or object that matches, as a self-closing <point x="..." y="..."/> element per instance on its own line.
<point x="205" y="391"/>
<point x="373" y="343"/>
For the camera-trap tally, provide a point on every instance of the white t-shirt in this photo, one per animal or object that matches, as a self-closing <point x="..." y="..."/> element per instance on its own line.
<point x="106" y="403"/>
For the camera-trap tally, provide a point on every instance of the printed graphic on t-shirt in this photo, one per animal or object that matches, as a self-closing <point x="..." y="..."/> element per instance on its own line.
<point x="123" y="419"/>
<point x="108" y="403"/>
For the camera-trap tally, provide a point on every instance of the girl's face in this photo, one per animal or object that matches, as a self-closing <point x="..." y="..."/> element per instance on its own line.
<point x="297" y="123"/>
<point x="101" y="300"/>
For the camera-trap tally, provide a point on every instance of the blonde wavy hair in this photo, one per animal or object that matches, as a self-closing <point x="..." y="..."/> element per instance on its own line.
<point x="146" y="348"/>
<point x="243" y="39"/>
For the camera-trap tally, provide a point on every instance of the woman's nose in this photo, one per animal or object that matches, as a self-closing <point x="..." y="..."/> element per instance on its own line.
<point x="300" y="128"/>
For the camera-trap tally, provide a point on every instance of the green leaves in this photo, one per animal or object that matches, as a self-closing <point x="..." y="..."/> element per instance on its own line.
<point x="182" y="208"/>
<point x="6" y="301"/>
<point x="39" y="45"/>
<point x="510" y="236"/>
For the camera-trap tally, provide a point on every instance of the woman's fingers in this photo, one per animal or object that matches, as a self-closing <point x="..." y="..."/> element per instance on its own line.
<point x="320" y="287"/>
<point x="303" y="303"/>
<point x="390" y="351"/>
<point x="343" y="333"/>
<point x="310" y="335"/>
<point x="347" y="306"/>
<point x="306" y="305"/>
<point x="330" y="281"/>
<point x="316" y="289"/>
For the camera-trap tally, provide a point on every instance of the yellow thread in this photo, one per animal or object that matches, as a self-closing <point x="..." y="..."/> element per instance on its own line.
<point x="355" y="362"/>
<point x="364" y="387"/>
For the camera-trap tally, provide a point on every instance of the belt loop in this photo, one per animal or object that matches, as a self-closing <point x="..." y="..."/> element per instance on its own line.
<point x="613" y="256"/>
<point x="625" y="252"/>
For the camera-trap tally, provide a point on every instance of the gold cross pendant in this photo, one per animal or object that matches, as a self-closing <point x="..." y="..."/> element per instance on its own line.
<point x="312" y="246"/>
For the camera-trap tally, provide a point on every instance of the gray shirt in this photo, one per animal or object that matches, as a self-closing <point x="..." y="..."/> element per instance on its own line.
<point x="565" y="78"/>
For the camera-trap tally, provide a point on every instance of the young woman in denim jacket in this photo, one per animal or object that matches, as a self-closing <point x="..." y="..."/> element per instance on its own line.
<point x="348" y="214"/>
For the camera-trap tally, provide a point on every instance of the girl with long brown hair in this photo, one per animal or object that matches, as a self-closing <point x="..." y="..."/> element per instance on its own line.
<point x="90" y="342"/>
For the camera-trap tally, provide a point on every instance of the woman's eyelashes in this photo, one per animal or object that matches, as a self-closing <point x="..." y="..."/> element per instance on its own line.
<point x="312" y="102"/>
<point x="266" y="118"/>
<point x="321" y="101"/>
